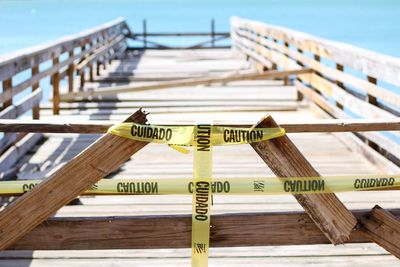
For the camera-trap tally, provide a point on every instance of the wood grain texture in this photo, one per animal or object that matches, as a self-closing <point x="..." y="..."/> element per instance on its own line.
<point x="315" y="126"/>
<point x="18" y="150"/>
<point x="145" y="232"/>
<point x="98" y="160"/>
<point x="368" y="62"/>
<point x="21" y="60"/>
<point x="285" y="160"/>
<point x="25" y="104"/>
<point x="56" y="88"/>
<point x="182" y="83"/>
<point x="382" y="227"/>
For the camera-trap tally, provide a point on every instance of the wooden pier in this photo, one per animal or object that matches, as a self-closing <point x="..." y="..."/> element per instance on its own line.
<point x="336" y="102"/>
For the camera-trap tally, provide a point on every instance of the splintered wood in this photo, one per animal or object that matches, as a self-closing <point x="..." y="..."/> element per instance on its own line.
<point x="383" y="228"/>
<point x="285" y="160"/>
<point x="96" y="161"/>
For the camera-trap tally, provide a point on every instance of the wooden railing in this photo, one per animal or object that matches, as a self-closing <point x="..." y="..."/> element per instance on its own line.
<point x="143" y="39"/>
<point x="346" y="82"/>
<point x="57" y="60"/>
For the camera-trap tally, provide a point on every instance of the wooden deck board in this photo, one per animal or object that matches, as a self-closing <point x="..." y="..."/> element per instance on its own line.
<point x="245" y="101"/>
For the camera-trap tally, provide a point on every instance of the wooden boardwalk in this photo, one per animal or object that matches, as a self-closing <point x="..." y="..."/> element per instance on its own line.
<point x="242" y="102"/>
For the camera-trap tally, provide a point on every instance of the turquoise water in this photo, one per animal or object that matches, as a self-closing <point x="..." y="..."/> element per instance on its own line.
<point x="371" y="24"/>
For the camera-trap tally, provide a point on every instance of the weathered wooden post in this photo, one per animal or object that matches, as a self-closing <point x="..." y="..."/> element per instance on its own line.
<point x="71" y="69"/>
<point x="285" y="160"/>
<point x="7" y="85"/>
<point x="35" y="86"/>
<point x="56" y="88"/>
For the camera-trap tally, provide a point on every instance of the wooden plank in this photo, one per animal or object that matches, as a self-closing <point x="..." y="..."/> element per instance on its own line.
<point x="7" y="140"/>
<point x="335" y="74"/>
<point x="7" y="85"/>
<point x="382" y="141"/>
<point x="71" y="70"/>
<point x="355" y="144"/>
<point x="15" y="152"/>
<point x="25" y="104"/>
<point x="285" y="160"/>
<point x="21" y="60"/>
<point x="227" y="230"/>
<point x="35" y="86"/>
<point x="6" y="95"/>
<point x="370" y="63"/>
<point x="56" y="89"/>
<point x="383" y="228"/>
<point x="100" y="51"/>
<point x="96" y="161"/>
<point x="182" y="83"/>
<point x="315" y="126"/>
<point x="356" y="105"/>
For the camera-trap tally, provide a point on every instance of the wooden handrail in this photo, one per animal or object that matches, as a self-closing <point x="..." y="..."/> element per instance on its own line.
<point x="99" y="127"/>
<point x="102" y="40"/>
<point x="14" y="63"/>
<point x="21" y="60"/>
<point x="228" y="230"/>
<point x="368" y="62"/>
<point x="340" y="93"/>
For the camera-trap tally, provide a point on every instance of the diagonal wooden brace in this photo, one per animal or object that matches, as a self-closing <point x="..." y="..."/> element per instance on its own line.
<point x="285" y="160"/>
<point x="381" y="227"/>
<point x="95" y="162"/>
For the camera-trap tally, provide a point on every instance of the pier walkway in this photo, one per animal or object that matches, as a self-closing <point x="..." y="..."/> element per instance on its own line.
<point x="261" y="75"/>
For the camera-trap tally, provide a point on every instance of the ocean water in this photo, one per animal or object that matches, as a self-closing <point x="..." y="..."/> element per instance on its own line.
<point x="372" y="24"/>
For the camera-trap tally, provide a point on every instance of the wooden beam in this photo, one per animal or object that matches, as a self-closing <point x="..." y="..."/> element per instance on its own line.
<point x="15" y="152"/>
<point x="28" y="58"/>
<point x="333" y="73"/>
<point x="25" y="104"/>
<point x="7" y="85"/>
<point x="182" y="83"/>
<point x="315" y="126"/>
<point x="383" y="228"/>
<point x="96" y="161"/>
<point x="35" y="86"/>
<point x="381" y="140"/>
<point x="56" y="88"/>
<point x="368" y="62"/>
<point x="227" y="230"/>
<point x="100" y="51"/>
<point x="71" y="70"/>
<point x="285" y="160"/>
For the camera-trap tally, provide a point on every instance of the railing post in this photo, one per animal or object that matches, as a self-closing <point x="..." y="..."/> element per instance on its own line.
<point x="71" y="73"/>
<point x="98" y="41"/>
<point x="318" y="59"/>
<point x="339" y="67"/>
<point x="91" y="66"/>
<point x="82" y="71"/>
<point x="274" y="65"/>
<point x="144" y="24"/>
<point x="370" y="98"/>
<point x="7" y="85"/>
<point x="104" y="42"/>
<point x="212" y="33"/>
<point x="300" y="96"/>
<point x="56" y="89"/>
<point x="35" y="86"/>
<point x="286" y="79"/>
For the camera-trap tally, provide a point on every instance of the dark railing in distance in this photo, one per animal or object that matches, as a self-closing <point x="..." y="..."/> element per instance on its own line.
<point x="143" y="41"/>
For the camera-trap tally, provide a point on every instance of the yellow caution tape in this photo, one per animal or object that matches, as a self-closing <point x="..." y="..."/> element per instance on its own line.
<point x="202" y="138"/>
<point x="225" y="186"/>
<point x="184" y="135"/>
<point x="201" y="203"/>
